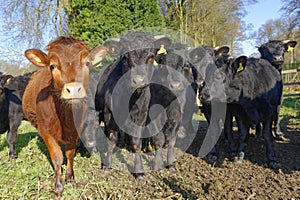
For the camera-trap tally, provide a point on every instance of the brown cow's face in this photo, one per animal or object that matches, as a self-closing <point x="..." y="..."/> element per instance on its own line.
<point x="70" y="72"/>
<point x="69" y="61"/>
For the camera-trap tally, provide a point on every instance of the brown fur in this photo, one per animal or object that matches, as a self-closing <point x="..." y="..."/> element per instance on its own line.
<point x="59" y="120"/>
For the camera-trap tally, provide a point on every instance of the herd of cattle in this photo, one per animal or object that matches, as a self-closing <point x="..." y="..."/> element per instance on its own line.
<point x="149" y="91"/>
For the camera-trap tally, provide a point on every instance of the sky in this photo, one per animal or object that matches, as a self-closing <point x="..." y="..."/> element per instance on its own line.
<point x="258" y="14"/>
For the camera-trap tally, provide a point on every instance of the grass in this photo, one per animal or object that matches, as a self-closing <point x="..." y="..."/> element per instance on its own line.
<point x="31" y="175"/>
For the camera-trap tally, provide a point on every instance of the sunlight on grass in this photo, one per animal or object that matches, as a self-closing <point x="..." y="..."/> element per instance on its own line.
<point x="31" y="176"/>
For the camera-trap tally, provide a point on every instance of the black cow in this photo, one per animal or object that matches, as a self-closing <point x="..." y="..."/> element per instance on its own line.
<point x="123" y="93"/>
<point x="11" y="113"/>
<point x="90" y="136"/>
<point x="171" y="89"/>
<point x="273" y="51"/>
<point x="253" y="90"/>
<point x="206" y="59"/>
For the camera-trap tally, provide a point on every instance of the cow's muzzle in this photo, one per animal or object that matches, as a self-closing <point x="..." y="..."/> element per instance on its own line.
<point x="73" y="91"/>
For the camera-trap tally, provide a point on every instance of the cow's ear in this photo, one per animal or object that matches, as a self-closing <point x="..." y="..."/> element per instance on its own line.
<point x="37" y="57"/>
<point x="240" y="63"/>
<point x="114" y="46"/>
<point x="162" y="43"/>
<point x="289" y="45"/>
<point x="197" y="54"/>
<point x="8" y="78"/>
<point x="222" y="50"/>
<point x="98" y="54"/>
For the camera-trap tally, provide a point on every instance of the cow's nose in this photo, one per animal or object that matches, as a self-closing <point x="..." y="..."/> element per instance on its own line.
<point x="203" y="97"/>
<point x="199" y="84"/>
<point x="139" y="80"/>
<point x="176" y="85"/>
<point x="73" y="90"/>
<point x="278" y="58"/>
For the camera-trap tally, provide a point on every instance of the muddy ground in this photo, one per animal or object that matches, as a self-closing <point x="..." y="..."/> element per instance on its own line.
<point x="202" y="178"/>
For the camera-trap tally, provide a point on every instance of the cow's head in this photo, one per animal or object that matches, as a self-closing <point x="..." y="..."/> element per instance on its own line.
<point x="68" y="60"/>
<point x="205" y="59"/>
<point x="175" y="70"/>
<point x="4" y="79"/>
<point x="274" y="50"/>
<point x="219" y="84"/>
<point x="137" y="52"/>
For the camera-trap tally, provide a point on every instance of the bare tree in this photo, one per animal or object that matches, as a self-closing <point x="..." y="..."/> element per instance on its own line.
<point x="30" y="23"/>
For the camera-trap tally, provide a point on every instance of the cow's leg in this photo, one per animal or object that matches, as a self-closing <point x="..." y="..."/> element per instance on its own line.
<point x="267" y="134"/>
<point x="158" y="140"/>
<point x="258" y="130"/>
<point x="57" y="161"/>
<point x="138" y="165"/>
<point x="206" y="110"/>
<point x="171" y="154"/>
<point x="111" y="144"/>
<point x="228" y="124"/>
<point x="12" y="135"/>
<point x="243" y="133"/>
<point x="277" y="129"/>
<point x="70" y="153"/>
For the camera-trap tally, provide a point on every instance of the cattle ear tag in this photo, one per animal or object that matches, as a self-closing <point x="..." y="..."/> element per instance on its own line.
<point x="240" y="68"/>
<point x="162" y="50"/>
<point x="155" y="63"/>
<point x="290" y="48"/>
<point x="8" y="80"/>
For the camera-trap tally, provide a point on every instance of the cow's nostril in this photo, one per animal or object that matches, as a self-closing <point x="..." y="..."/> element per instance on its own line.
<point x="175" y="85"/>
<point x="138" y="80"/>
<point x="73" y="90"/>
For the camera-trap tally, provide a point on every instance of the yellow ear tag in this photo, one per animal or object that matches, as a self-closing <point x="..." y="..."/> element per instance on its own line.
<point x="162" y="50"/>
<point x="113" y="49"/>
<point x="196" y="57"/>
<point x="290" y="48"/>
<point x="191" y="71"/>
<point x="8" y="80"/>
<point x="241" y="68"/>
<point x="155" y="63"/>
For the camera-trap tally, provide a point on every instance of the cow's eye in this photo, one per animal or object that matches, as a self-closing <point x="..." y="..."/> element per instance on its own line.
<point x="219" y="76"/>
<point x="88" y="64"/>
<point x="52" y="67"/>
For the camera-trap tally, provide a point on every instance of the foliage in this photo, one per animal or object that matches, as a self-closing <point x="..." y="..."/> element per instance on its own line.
<point x="96" y="21"/>
<point x="291" y="9"/>
<point x="208" y="22"/>
<point x="29" y="24"/>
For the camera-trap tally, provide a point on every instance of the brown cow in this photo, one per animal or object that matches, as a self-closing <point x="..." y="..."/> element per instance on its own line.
<point x="54" y="102"/>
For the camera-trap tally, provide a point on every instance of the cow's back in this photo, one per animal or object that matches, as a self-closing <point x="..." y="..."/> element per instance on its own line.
<point x="37" y="89"/>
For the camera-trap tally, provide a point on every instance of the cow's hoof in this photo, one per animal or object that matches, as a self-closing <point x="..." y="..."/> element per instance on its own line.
<point x="240" y="158"/>
<point x="212" y="157"/>
<point x="280" y="138"/>
<point x="172" y="168"/>
<point x="106" y="168"/>
<point x="13" y="156"/>
<point x="275" y="164"/>
<point x="139" y="177"/>
<point x="58" y="197"/>
<point x="59" y="188"/>
<point x="232" y="155"/>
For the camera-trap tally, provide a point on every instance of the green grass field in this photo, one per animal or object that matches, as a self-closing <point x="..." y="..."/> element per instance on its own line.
<point x="31" y="175"/>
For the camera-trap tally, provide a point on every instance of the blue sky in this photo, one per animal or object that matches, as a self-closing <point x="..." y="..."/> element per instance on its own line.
<point x="259" y="14"/>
